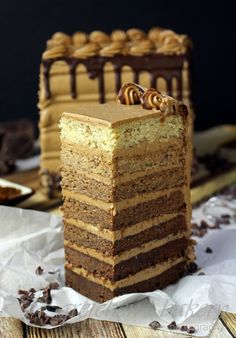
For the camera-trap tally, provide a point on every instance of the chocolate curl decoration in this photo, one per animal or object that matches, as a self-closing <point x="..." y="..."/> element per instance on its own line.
<point x="151" y="99"/>
<point x="130" y="94"/>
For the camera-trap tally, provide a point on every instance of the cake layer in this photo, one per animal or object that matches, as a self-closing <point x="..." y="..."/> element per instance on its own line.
<point x="117" y="206"/>
<point x="111" y="127"/>
<point x="78" y="236"/>
<point x="166" y="179"/>
<point x="101" y="293"/>
<point x="136" y="160"/>
<point x="171" y="250"/>
<point x="143" y="248"/>
<point x="167" y="204"/>
<point x="112" y="235"/>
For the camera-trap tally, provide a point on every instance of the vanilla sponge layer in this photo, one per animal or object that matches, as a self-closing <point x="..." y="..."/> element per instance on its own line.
<point x="110" y="138"/>
<point x="105" y="166"/>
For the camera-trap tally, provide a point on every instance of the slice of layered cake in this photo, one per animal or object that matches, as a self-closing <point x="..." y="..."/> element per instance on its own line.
<point x="125" y="183"/>
<point x="84" y="68"/>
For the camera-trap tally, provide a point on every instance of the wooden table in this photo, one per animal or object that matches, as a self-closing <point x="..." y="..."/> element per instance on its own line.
<point x="13" y="328"/>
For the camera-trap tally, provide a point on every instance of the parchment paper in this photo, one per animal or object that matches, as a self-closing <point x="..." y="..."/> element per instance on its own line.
<point x="30" y="238"/>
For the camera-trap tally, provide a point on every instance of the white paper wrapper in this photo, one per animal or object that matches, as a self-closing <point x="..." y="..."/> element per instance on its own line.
<point x="29" y="239"/>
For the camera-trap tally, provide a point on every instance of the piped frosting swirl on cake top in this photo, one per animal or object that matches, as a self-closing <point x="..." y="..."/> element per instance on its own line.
<point x="149" y="98"/>
<point x="131" y="42"/>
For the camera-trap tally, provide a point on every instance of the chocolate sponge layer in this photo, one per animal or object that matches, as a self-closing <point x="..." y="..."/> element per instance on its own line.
<point x="101" y="294"/>
<point x="165" y="179"/>
<point x="81" y="237"/>
<point x="173" y="250"/>
<point x="173" y="202"/>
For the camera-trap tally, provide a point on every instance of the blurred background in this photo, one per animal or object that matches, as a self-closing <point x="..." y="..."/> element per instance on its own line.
<point x="25" y="27"/>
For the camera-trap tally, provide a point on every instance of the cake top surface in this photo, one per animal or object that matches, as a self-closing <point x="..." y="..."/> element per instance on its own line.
<point x="110" y="113"/>
<point x="131" y="42"/>
<point x="134" y="102"/>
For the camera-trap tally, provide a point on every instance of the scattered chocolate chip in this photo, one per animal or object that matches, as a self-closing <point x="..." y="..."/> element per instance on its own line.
<point x="23" y="292"/>
<point x="184" y="328"/>
<point x="24" y="303"/>
<point x="47" y="296"/>
<point x="74" y="312"/>
<point x="172" y="326"/>
<point x="208" y="250"/>
<point x="25" y="298"/>
<point x="39" y="270"/>
<point x="225" y="219"/>
<point x="38" y="317"/>
<point x="53" y="286"/>
<point x="51" y="272"/>
<point x="192" y="267"/>
<point x="155" y="325"/>
<point x="53" y="308"/>
<point x="32" y="290"/>
<point x="191" y="329"/>
<point x="204" y="224"/>
<point x="201" y="274"/>
<point x="58" y="319"/>
<point x="226" y="216"/>
<point x="40" y="300"/>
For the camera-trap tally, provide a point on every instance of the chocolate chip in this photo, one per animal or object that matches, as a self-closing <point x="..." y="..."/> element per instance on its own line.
<point x="191" y="329"/>
<point x="201" y="274"/>
<point x="24" y="303"/>
<point x="172" y="326"/>
<point x="192" y="267"/>
<point x="225" y="219"/>
<point x="73" y="313"/>
<point x="38" y="317"/>
<point x="58" y="319"/>
<point x="53" y="308"/>
<point x="51" y="272"/>
<point x="39" y="270"/>
<point x="226" y="216"/>
<point x="53" y="286"/>
<point x="208" y="250"/>
<point x="25" y="298"/>
<point x="40" y="300"/>
<point x="184" y="328"/>
<point x="204" y="224"/>
<point x="32" y="290"/>
<point x="23" y="292"/>
<point x="47" y="296"/>
<point x="155" y="325"/>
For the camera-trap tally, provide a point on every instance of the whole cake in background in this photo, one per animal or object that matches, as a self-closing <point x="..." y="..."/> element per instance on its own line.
<point x="126" y="189"/>
<point x="86" y="68"/>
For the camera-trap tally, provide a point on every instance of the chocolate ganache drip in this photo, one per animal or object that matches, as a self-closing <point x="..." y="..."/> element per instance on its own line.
<point x="161" y="53"/>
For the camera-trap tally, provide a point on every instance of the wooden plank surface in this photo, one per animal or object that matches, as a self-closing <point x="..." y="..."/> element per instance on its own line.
<point x="10" y="328"/>
<point x="13" y="328"/>
<point x="229" y="320"/>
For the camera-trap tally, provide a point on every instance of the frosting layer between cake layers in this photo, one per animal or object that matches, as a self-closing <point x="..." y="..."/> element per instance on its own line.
<point x="126" y="205"/>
